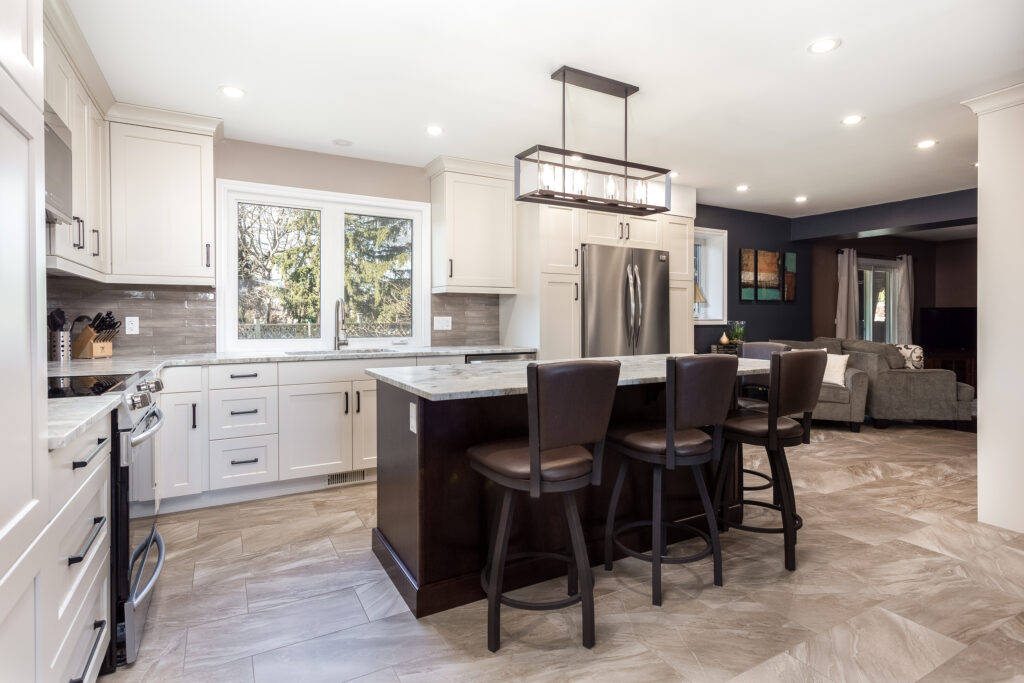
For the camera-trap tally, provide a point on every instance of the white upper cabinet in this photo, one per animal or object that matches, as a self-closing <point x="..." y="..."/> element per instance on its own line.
<point x="59" y="78"/>
<point x="677" y="239"/>
<point x="559" y="239"/>
<point x="161" y="206"/>
<point x="97" y="216"/>
<point x="643" y="232"/>
<point x="472" y="229"/>
<point x="21" y="46"/>
<point x="618" y="230"/>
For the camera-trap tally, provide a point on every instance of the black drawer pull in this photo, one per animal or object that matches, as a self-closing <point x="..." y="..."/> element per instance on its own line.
<point x="346" y="403"/>
<point x="250" y="461"/>
<point x="101" y="444"/>
<point x="193" y="416"/>
<point x="245" y="412"/>
<point x="97" y="524"/>
<point x="246" y="375"/>
<point x="357" y="402"/>
<point x="100" y="624"/>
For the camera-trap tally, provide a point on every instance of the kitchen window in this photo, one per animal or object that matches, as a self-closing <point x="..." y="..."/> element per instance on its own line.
<point x="709" y="275"/>
<point x="288" y="255"/>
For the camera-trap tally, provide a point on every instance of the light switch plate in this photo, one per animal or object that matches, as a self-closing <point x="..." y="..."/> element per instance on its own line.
<point x="442" y="322"/>
<point x="131" y="325"/>
<point x="412" y="418"/>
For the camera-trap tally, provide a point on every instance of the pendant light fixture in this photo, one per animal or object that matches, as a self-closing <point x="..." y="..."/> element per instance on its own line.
<point x="563" y="177"/>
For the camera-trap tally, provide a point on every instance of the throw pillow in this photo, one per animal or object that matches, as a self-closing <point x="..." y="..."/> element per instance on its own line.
<point x="913" y="356"/>
<point x="835" y="369"/>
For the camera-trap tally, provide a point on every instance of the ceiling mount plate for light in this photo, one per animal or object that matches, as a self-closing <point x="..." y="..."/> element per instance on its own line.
<point x="563" y="177"/>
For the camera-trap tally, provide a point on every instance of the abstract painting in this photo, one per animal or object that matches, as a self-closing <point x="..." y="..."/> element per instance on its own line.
<point x="747" y="275"/>
<point x="769" y="283"/>
<point x="789" y="285"/>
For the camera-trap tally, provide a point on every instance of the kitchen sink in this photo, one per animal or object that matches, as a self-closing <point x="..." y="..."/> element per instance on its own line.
<point x="327" y="352"/>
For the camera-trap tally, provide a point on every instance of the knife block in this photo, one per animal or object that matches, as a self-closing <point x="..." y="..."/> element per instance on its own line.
<point x="86" y="346"/>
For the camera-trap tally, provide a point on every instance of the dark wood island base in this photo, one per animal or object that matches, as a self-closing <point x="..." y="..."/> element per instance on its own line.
<point x="435" y="515"/>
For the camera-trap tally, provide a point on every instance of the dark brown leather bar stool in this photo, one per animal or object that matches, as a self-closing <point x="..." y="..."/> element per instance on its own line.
<point x="758" y="351"/>
<point x="698" y="393"/>
<point x="793" y="386"/>
<point x="568" y="408"/>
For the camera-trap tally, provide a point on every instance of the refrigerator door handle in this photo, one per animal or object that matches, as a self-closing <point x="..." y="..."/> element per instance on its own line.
<point x="632" y="304"/>
<point x="640" y="303"/>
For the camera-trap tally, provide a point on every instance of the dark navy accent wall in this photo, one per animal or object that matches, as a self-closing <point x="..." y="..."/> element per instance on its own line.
<point x="765" y="319"/>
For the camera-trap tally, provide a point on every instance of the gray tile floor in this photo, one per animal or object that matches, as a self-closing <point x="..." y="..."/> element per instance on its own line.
<point x="896" y="582"/>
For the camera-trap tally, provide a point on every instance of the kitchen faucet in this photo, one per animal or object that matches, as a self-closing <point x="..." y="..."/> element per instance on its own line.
<point x="340" y="336"/>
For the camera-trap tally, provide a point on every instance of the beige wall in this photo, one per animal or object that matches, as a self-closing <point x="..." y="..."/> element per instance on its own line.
<point x="239" y="160"/>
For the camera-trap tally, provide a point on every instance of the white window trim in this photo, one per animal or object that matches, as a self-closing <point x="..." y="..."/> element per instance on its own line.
<point x="723" y="235"/>
<point x="230" y="191"/>
<point x="888" y="265"/>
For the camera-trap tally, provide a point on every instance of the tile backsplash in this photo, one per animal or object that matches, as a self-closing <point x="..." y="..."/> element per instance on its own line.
<point x="172" y="319"/>
<point x="183" y="319"/>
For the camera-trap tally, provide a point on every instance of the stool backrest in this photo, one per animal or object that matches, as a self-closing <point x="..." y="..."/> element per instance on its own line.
<point x="759" y="351"/>
<point x="569" y="403"/>
<point x="698" y="392"/>
<point x="793" y="388"/>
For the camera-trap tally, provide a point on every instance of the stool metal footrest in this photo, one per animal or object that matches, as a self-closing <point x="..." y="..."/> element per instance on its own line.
<point x="770" y="482"/>
<point x="649" y="557"/>
<point x="534" y="606"/>
<point x="763" y="529"/>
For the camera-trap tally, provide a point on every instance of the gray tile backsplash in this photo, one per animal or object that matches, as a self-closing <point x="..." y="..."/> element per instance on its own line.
<point x="180" y="319"/>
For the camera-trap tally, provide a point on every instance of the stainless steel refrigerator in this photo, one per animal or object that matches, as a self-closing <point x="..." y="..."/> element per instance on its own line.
<point x="625" y="301"/>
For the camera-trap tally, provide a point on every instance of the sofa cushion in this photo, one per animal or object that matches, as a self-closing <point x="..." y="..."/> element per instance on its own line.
<point x="833" y="346"/>
<point x="835" y="369"/>
<point x="913" y="356"/>
<point x="964" y="392"/>
<point x="889" y="352"/>
<point x="833" y="393"/>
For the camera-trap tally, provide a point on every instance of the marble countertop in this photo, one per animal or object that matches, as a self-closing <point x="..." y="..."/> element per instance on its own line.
<point x="69" y="418"/>
<point x="451" y="382"/>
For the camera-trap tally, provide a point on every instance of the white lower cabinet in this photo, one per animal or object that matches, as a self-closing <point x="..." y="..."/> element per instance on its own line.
<point x="243" y="461"/>
<point x="559" y="316"/>
<point x="316" y="428"/>
<point x="680" y="327"/>
<point x="21" y="606"/>
<point x="183" y="443"/>
<point x="364" y="425"/>
<point x="250" y="411"/>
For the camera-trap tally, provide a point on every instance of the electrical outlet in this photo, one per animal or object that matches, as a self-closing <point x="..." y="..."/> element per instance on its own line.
<point x="131" y="325"/>
<point x="412" y="418"/>
<point x="442" y="322"/>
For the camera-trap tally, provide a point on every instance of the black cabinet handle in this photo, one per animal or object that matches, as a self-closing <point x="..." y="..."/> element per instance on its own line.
<point x="245" y="412"/>
<point x="101" y="625"/>
<point x="250" y="461"/>
<point x="97" y="524"/>
<point x="357" y="402"/>
<point x="627" y="231"/>
<point x="245" y="376"/>
<point x="451" y="268"/>
<point x="193" y="416"/>
<point x="100" y="445"/>
<point x="207" y="254"/>
<point x="577" y="285"/>
<point x="97" y="252"/>
<point x="577" y="254"/>
<point x="346" y="403"/>
<point x="78" y="232"/>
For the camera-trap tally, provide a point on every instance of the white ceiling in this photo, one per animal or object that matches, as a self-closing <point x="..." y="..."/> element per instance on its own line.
<point x="728" y="92"/>
<point x="959" y="232"/>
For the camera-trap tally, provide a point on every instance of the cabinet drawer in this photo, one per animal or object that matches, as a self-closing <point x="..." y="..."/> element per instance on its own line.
<point x="74" y="463"/>
<point x="236" y="375"/>
<point x="239" y="462"/>
<point x="80" y="541"/>
<point x="243" y="412"/>
<point x="83" y="646"/>
<point x="320" y="371"/>
<point x="178" y="380"/>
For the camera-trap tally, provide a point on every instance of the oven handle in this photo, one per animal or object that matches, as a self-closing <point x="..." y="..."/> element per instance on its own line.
<point x="150" y="430"/>
<point x="157" y="539"/>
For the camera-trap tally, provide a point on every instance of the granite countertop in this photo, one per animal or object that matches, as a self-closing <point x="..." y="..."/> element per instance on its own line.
<point x="69" y="418"/>
<point x="451" y="382"/>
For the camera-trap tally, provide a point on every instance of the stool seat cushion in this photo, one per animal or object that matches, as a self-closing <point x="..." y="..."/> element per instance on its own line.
<point x="747" y="403"/>
<point x="651" y="439"/>
<point x="511" y="458"/>
<point x="752" y="423"/>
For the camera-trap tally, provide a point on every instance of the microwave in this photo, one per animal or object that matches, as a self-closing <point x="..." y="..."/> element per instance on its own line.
<point x="57" y="151"/>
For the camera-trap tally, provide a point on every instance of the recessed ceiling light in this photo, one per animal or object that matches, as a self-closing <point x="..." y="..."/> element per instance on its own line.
<point x="435" y="130"/>
<point x="576" y="157"/>
<point x="801" y="199"/>
<point x="926" y="144"/>
<point x="673" y="174"/>
<point x="342" y="142"/>
<point x="232" y="91"/>
<point x="852" y="120"/>
<point x="742" y="188"/>
<point x="975" y="164"/>
<point x="823" y="45"/>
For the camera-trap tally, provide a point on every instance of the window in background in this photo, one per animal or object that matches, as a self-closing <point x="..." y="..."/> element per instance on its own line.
<point x="877" y="317"/>
<point x="378" y="276"/>
<point x="710" y="247"/>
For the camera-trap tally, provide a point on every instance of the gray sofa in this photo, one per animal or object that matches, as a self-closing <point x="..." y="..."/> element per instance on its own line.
<point x="845" y="403"/>
<point x="895" y="392"/>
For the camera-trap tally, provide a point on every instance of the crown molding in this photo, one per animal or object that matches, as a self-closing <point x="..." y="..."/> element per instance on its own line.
<point x="468" y="166"/>
<point x="162" y="118"/>
<point x="58" y="18"/>
<point x="994" y="101"/>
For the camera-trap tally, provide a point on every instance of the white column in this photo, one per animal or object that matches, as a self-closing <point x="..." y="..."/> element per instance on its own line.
<point x="1000" y="307"/>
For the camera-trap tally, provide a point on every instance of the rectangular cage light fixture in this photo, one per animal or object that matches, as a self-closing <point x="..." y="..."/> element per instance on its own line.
<point x="563" y="177"/>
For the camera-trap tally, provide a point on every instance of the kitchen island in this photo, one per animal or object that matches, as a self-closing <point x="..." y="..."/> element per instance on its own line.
<point x="434" y="513"/>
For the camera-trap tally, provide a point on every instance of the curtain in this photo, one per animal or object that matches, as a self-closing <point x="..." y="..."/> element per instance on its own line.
<point x="904" y="299"/>
<point x="848" y="299"/>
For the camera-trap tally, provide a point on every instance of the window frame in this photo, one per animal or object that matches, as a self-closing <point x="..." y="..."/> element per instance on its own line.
<point x="333" y="207"/>
<point x="705" y="277"/>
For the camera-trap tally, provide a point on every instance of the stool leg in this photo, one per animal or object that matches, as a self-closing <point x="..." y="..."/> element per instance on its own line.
<point x="586" y="576"/>
<point x="573" y="574"/>
<point x="784" y="467"/>
<point x="656" y="533"/>
<point x="609" y="525"/>
<point x="498" y="553"/>
<point x="721" y="476"/>
<point x="788" y="521"/>
<point x="774" y="465"/>
<point x="709" y="513"/>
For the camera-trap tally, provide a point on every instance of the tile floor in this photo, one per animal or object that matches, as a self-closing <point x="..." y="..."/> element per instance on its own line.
<point x="896" y="582"/>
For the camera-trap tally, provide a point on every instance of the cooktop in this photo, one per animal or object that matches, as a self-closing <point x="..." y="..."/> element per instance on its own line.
<point x="89" y="385"/>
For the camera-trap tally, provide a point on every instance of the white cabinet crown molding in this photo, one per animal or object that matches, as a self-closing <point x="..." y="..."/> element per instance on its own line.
<point x="57" y="16"/>
<point x="469" y="167"/>
<point x="137" y="115"/>
<point x="994" y="101"/>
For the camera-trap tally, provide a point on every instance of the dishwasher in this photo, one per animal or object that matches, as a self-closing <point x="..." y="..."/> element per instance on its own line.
<point x="473" y="359"/>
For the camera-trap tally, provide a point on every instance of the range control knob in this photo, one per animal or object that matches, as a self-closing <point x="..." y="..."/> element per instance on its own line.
<point x="153" y="385"/>
<point x="136" y="401"/>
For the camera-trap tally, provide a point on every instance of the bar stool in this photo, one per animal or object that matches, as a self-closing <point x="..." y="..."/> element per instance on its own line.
<point x="568" y="408"/>
<point x="794" y="382"/>
<point x="758" y="351"/>
<point x="698" y="393"/>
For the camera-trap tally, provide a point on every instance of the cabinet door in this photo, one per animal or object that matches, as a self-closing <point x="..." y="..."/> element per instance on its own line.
<point x="559" y="233"/>
<point x="315" y="434"/>
<point x="680" y="304"/>
<point x="643" y="232"/>
<point x="677" y="239"/>
<point x="480" y="234"/>
<point x="364" y="425"/>
<point x="58" y="78"/>
<point x="559" y="317"/>
<point x="183" y="444"/>
<point x="97" y="226"/>
<point x="161" y="203"/>
<point x="601" y="227"/>
<point x="21" y="47"/>
<point x="23" y="639"/>
<point x="78" y="109"/>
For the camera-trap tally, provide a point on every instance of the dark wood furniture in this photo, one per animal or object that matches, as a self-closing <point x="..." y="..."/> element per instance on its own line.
<point x="963" y="363"/>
